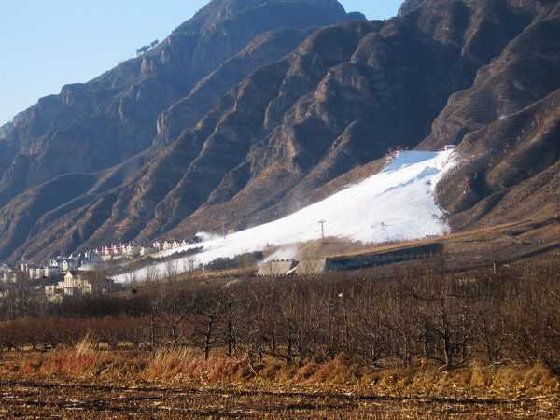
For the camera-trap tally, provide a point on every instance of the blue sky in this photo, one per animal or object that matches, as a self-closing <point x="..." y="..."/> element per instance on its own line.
<point x="45" y="44"/>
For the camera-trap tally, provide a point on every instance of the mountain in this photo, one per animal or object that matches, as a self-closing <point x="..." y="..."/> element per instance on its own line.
<point x="92" y="127"/>
<point x="507" y="125"/>
<point x="254" y="126"/>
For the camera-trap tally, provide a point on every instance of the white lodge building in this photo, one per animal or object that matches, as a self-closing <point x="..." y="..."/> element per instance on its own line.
<point x="75" y="285"/>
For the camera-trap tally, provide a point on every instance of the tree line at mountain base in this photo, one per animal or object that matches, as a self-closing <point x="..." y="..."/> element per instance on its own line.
<point x="505" y="314"/>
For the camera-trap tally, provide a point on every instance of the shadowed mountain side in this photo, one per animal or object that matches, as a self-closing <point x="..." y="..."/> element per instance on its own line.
<point x="507" y="126"/>
<point x="28" y="207"/>
<point x="263" y="50"/>
<point x="512" y="171"/>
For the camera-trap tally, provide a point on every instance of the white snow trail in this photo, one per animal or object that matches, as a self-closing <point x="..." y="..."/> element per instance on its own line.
<point x="397" y="204"/>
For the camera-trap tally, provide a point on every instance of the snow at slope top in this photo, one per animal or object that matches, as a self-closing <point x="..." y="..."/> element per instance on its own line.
<point x="397" y="204"/>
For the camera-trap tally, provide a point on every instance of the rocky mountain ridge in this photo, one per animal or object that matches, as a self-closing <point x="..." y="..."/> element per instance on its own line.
<point x="112" y="118"/>
<point x="94" y="126"/>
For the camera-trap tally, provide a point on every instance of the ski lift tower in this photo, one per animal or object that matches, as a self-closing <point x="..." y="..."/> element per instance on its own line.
<point x="382" y="230"/>
<point x="322" y="223"/>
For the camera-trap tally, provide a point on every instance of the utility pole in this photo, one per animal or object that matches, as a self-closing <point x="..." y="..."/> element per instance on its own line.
<point x="557" y="215"/>
<point x="322" y="223"/>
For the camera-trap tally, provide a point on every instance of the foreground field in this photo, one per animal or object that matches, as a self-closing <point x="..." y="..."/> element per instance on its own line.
<point x="82" y="382"/>
<point x="57" y="400"/>
<point x="416" y="342"/>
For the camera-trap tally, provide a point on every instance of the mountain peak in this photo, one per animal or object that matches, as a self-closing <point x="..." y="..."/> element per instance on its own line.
<point x="409" y="6"/>
<point x="220" y="11"/>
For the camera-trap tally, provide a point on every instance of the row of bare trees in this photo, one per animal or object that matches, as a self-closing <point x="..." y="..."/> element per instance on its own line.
<point x="496" y="314"/>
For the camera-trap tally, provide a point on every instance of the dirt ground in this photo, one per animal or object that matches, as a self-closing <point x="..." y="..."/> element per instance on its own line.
<point x="69" y="401"/>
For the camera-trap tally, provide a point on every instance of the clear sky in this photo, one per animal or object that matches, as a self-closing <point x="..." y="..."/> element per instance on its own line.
<point x="45" y="44"/>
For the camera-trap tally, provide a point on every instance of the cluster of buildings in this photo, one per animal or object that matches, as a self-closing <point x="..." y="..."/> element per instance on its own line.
<point x="94" y="260"/>
<point x="131" y="251"/>
<point x="123" y="251"/>
<point x="75" y="284"/>
<point x="165" y="246"/>
<point x="79" y="274"/>
<point x="87" y="261"/>
<point x="59" y="279"/>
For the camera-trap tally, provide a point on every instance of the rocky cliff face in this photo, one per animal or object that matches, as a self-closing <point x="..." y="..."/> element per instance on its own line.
<point x="409" y="6"/>
<point x="507" y="127"/>
<point x="257" y="136"/>
<point x="93" y="126"/>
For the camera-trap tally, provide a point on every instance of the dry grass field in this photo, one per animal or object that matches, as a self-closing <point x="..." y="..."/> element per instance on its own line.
<point x="85" y="382"/>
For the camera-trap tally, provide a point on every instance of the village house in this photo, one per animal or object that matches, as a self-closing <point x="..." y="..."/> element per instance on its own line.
<point x="52" y="271"/>
<point x="147" y="250"/>
<point x="132" y="251"/>
<point x="69" y="264"/>
<point x="91" y="262"/>
<point x="167" y="245"/>
<point x="91" y="265"/>
<point x="36" y="273"/>
<point x="7" y="275"/>
<point x="76" y="285"/>
<point x="52" y="268"/>
<point x="118" y="251"/>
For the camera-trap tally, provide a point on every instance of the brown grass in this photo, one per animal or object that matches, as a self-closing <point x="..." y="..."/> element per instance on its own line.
<point x="186" y="367"/>
<point x="81" y="360"/>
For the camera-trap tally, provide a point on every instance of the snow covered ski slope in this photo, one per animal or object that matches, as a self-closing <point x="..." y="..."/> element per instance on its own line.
<point x="397" y="204"/>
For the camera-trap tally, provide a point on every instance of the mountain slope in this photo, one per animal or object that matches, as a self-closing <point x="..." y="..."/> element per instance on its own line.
<point x="325" y="119"/>
<point x="113" y="117"/>
<point x="508" y="125"/>
<point x="94" y="126"/>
